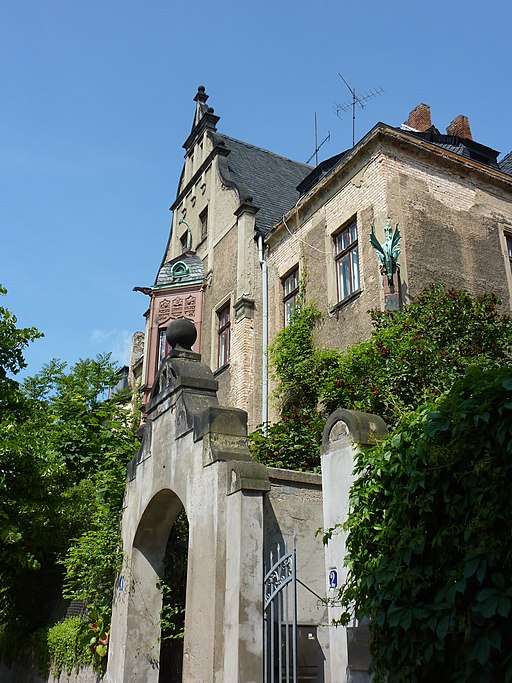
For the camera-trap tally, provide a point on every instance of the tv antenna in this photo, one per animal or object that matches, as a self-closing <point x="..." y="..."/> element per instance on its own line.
<point x="317" y="146"/>
<point x="356" y="99"/>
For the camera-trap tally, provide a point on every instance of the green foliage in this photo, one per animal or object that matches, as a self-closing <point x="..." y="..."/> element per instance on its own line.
<point x="429" y="552"/>
<point x="63" y="454"/>
<point x="412" y="356"/>
<point x="62" y="472"/>
<point x="96" y="637"/>
<point x="65" y="646"/>
<point x="13" y="341"/>
<point x="92" y="561"/>
<point x="292" y="443"/>
<point x="173" y="584"/>
<point x="292" y="357"/>
<point x="417" y="353"/>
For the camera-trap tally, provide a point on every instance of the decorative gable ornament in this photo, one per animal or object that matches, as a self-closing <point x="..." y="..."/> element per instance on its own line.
<point x="387" y="252"/>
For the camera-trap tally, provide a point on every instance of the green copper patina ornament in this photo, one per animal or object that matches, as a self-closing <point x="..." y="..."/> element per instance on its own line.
<point x="389" y="251"/>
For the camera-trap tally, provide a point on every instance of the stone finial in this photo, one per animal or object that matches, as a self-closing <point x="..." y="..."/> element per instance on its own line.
<point x="460" y="127"/>
<point x="419" y="118"/>
<point x="201" y="95"/>
<point x="181" y="334"/>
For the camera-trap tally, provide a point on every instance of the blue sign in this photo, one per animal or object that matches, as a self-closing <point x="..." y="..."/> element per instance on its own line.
<point x="120" y="585"/>
<point x="333" y="578"/>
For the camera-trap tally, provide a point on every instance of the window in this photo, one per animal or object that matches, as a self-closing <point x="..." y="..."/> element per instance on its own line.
<point x="184" y="242"/>
<point x="203" y="219"/>
<point x="223" y="317"/>
<point x="508" y="239"/>
<point x="290" y="295"/>
<point x="163" y="346"/>
<point x="347" y="261"/>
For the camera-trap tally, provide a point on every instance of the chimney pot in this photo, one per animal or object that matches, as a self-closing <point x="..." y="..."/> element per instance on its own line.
<point x="419" y="118"/>
<point x="460" y="126"/>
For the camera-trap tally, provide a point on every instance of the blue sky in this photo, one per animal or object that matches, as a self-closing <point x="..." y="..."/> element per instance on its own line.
<point x="97" y="101"/>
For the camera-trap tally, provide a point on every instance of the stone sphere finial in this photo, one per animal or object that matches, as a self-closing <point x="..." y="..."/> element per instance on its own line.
<point x="181" y="334"/>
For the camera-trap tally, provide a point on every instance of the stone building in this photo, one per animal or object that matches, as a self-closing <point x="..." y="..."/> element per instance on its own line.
<point x="249" y="225"/>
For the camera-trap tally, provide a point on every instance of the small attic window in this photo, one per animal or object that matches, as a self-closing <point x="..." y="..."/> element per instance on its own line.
<point x="180" y="269"/>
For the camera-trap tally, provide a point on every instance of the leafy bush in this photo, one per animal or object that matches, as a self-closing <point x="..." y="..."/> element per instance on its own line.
<point x="417" y="353"/>
<point x="429" y="552"/>
<point x="412" y="356"/>
<point x="65" y="646"/>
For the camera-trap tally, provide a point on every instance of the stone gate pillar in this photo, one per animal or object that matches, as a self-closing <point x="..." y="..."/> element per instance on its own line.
<point x="194" y="455"/>
<point x="345" y="432"/>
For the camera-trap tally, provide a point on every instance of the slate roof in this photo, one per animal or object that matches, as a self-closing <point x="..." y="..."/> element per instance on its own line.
<point x="166" y="277"/>
<point x="506" y="163"/>
<point x="461" y="146"/>
<point x="271" y="180"/>
<point x="319" y="172"/>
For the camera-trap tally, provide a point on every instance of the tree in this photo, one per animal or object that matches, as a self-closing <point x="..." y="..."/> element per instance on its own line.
<point x="429" y="552"/>
<point x="63" y="454"/>
<point x="63" y="473"/>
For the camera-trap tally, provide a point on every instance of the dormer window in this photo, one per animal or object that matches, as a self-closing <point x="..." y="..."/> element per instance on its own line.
<point x="180" y="269"/>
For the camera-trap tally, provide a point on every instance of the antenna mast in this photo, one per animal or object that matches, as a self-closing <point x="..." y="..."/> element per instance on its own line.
<point x="356" y="99"/>
<point x="317" y="146"/>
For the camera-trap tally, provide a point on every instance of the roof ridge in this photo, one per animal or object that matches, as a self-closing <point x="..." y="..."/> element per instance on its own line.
<point x="262" y="149"/>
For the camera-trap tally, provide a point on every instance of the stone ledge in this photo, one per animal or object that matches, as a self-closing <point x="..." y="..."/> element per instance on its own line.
<point x="276" y="474"/>
<point x="247" y="476"/>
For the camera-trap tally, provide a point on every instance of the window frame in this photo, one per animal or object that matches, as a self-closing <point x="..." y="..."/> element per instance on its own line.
<point x="223" y="335"/>
<point x="344" y="254"/>
<point x="508" y="249"/>
<point x="162" y="346"/>
<point x="292" y="295"/>
<point x="203" y="222"/>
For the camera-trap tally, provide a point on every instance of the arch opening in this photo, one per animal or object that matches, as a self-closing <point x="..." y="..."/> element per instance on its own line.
<point x="160" y="549"/>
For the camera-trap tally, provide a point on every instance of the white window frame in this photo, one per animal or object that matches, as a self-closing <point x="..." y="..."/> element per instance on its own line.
<point x="346" y="256"/>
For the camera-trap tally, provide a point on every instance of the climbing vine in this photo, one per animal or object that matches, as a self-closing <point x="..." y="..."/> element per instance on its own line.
<point x="412" y="356"/>
<point x="429" y="553"/>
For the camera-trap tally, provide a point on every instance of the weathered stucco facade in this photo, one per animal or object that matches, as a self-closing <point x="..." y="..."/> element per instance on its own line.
<point x="454" y="216"/>
<point x="194" y="457"/>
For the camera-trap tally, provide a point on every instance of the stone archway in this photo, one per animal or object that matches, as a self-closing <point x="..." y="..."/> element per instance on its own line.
<point x="194" y="454"/>
<point x="145" y="572"/>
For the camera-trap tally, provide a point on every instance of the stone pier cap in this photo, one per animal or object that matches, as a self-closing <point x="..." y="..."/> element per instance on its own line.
<point x="352" y="427"/>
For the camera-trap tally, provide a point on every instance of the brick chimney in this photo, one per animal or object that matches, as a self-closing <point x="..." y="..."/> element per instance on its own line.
<point x="460" y="126"/>
<point x="419" y="118"/>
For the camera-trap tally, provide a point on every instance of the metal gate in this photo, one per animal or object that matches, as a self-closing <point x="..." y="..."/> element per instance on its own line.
<point x="280" y="617"/>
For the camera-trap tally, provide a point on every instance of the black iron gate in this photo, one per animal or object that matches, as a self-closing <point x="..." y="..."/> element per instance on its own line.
<point x="280" y="617"/>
